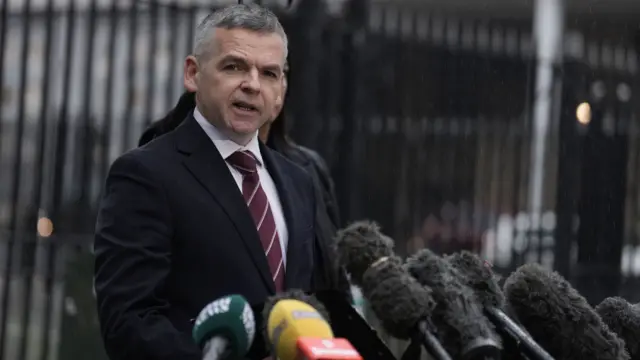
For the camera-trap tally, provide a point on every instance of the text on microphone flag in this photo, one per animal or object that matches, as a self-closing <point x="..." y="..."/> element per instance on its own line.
<point x="327" y="349"/>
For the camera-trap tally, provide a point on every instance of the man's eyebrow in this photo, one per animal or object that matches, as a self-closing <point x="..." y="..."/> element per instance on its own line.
<point x="232" y="58"/>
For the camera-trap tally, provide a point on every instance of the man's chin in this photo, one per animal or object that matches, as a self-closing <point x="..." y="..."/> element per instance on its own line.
<point x="244" y="129"/>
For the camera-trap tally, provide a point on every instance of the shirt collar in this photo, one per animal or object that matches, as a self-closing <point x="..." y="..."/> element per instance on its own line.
<point x="226" y="146"/>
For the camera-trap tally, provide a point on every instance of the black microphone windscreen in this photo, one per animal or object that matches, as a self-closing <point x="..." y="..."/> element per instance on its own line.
<point x="458" y="315"/>
<point x="624" y="320"/>
<point x="294" y="294"/>
<point x="359" y="245"/>
<point x="477" y="274"/>
<point x="479" y="277"/>
<point x="396" y="298"/>
<point x="558" y="317"/>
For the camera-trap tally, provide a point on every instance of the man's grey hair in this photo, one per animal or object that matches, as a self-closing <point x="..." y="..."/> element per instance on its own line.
<point x="240" y="16"/>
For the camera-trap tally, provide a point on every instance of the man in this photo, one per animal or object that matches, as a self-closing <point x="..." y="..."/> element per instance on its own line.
<point x="206" y="210"/>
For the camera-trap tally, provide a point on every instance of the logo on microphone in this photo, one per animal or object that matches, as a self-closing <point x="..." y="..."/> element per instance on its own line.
<point x="304" y="314"/>
<point x="248" y="321"/>
<point x="214" y="308"/>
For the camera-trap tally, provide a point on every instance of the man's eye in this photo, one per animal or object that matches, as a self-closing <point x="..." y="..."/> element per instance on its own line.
<point x="271" y="74"/>
<point x="232" y="67"/>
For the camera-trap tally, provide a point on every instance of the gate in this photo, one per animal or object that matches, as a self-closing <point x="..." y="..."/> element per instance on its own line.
<point x="424" y="120"/>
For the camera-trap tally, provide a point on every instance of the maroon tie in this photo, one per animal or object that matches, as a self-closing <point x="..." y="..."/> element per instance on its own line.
<point x="258" y="204"/>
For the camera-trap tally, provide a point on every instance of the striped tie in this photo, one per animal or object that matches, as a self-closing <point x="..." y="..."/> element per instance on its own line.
<point x="256" y="199"/>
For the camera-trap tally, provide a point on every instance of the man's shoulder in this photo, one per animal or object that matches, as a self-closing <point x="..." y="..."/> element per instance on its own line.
<point x="290" y="167"/>
<point x="155" y="154"/>
<point x="319" y="164"/>
<point x="160" y="143"/>
<point x="312" y="156"/>
<point x="300" y="182"/>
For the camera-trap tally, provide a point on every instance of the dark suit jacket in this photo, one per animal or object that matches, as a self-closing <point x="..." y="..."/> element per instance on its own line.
<point x="327" y="274"/>
<point x="174" y="233"/>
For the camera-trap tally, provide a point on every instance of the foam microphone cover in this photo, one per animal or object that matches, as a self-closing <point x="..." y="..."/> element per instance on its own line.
<point x="559" y="318"/>
<point x="396" y="298"/>
<point x="288" y="321"/>
<point x="477" y="274"/>
<point x="624" y="320"/>
<point x="479" y="277"/>
<point x="401" y="304"/>
<point x="359" y="245"/>
<point x="231" y="318"/>
<point x="457" y="315"/>
<point x="294" y="294"/>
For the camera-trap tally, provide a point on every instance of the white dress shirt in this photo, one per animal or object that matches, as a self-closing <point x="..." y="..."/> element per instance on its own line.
<point x="226" y="147"/>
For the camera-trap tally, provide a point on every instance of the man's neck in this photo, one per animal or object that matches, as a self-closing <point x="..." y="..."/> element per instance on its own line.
<point x="263" y="133"/>
<point x="241" y="140"/>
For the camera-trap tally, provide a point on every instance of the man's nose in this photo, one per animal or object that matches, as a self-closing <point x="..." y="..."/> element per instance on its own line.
<point x="252" y="81"/>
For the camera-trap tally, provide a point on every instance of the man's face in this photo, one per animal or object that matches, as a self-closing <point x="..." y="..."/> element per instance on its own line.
<point x="239" y="83"/>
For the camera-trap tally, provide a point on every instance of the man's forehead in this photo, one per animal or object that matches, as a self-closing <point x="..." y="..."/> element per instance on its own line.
<point x="263" y="47"/>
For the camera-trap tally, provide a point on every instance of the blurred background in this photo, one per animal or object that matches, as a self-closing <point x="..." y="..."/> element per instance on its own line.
<point x="505" y="127"/>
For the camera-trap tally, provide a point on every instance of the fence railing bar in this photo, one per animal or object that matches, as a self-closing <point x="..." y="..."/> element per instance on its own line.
<point x="191" y="20"/>
<point x="38" y="170"/>
<point x="397" y="151"/>
<point x="109" y="103"/>
<point x="173" y="53"/>
<point x="16" y="178"/>
<point x="4" y="17"/>
<point x="151" y="66"/>
<point x="59" y="161"/>
<point x="88" y="132"/>
<point x="130" y="77"/>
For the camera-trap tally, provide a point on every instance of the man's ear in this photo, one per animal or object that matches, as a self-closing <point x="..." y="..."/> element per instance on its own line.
<point x="280" y="97"/>
<point x="279" y="101"/>
<point x="191" y="73"/>
<point x="283" y="89"/>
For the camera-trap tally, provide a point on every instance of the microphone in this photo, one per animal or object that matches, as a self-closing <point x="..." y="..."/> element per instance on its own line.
<point x="297" y="331"/>
<point x="558" y="317"/>
<point x="624" y="320"/>
<point x="398" y="300"/>
<point x="360" y="245"/>
<point x="225" y="328"/>
<point x="293" y="294"/>
<point x="475" y="274"/>
<point x="466" y="333"/>
<point x="344" y="320"/>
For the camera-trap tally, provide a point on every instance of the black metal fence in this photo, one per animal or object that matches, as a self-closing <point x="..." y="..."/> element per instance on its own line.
<point x="425" y="121"/>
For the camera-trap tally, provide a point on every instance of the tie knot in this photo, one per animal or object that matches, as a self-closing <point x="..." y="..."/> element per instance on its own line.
<point x="243" y="161"/>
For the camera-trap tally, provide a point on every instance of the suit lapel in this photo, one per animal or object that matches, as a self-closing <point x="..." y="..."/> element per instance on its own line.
<point x="283" y="183"/>
<point x="204" y="162"/>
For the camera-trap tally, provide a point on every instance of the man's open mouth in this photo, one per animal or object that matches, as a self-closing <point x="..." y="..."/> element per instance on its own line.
<point x="244" y="106"/>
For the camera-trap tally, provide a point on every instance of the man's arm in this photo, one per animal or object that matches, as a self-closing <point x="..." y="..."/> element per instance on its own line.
<point x="133" y="258"/>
